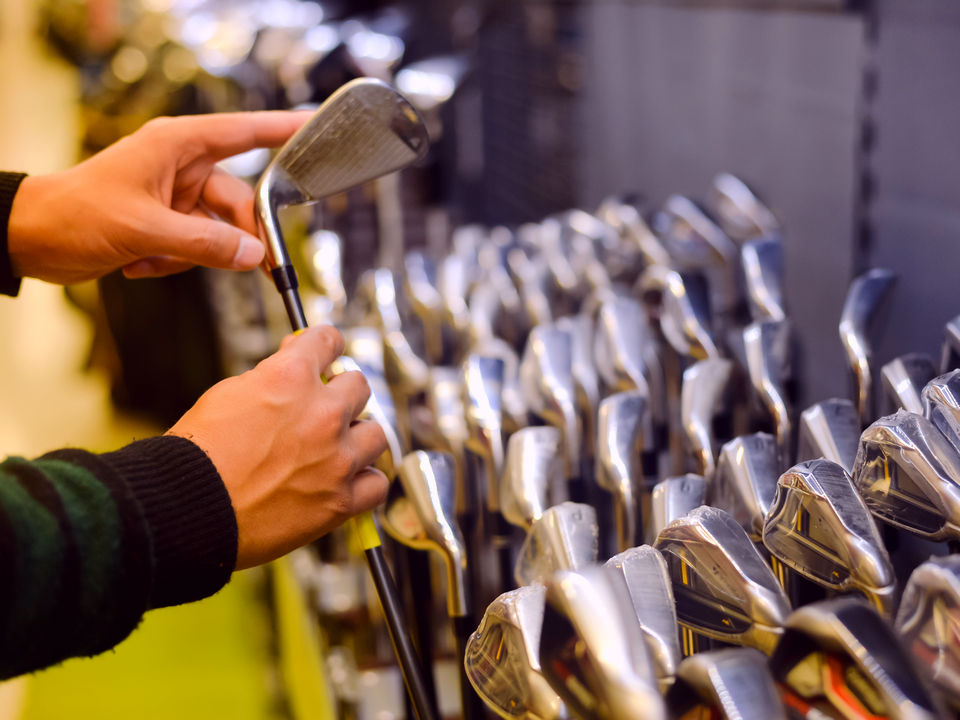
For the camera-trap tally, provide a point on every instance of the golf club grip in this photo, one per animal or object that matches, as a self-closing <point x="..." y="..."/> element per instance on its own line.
<point x="471" y="704"/>
<point x="410" y="665"/>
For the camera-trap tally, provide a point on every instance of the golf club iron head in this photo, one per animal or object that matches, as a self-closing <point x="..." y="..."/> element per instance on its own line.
<point x="819" y="527"/>
<point x="864" y="297"/>
<point x="633" y="230"/>
<point x="619" y="471"/>
<point x="902" y="380"/>
<point x="503" y="658"/>
<point x="941" y="405"/>
<point x="483" y="410"/>
<point x="565" y="537"/>
<point x="746" y="481"/>
<point x="645" y="572"/>
<point x="704" y="385"/>
<point x="534" y="462"/>
<point x="722" y="586"/>
<point x="672" y="498"/>
<point x="950" y="355"/>
<point x="514" y="405"/>
<point x="908" y="474"/>
<point x="741" y="214"/>
<point x="767" y="346"/>
<point x="839" y="658"/>
<point x="831" y="430"/>
<point x="592" y="650"/>
<point x="762" y="262"/>
<point x="731" y="684"/>
<point x="580" y="330"/>
<point x="928" y="622"/>
<point x="405" y="370"/>
<point x="449" y="432"/>
<point x="683" y="311"/>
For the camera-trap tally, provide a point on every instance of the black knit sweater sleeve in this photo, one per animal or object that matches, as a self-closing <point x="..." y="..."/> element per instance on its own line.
<point x="9" y="183"/>
<point x="89" y="542"/>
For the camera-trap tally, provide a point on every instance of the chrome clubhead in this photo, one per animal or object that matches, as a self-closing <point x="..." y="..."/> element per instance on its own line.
<point x="831" y="430"/>
<point x="592" y="650"/>
<point x="448" y="431"/>
<point x="580" y="330"/>
<point x="819" y="527"/>
<point x="406" y="371"/>
<point x="741" y="214"/>
<point x="634" y="231"/>
<point x="534" y="463"/>
<point x="704" y="385"/>
<point x="453" y="284"/>
<point x="950" y="355"/>
<point x="841" y="659"/>
<point x="546" y="377"/>
<point x="565" y="537"/>
<point x="502" y="660"/>
<point x="941" y="405"/>
<point x="420" y="513"/>
<point x="483" y="411"/>
<point x="731" y="684"/>
<point x="908" y="474"/>
<point x="644" y="571"/>
<point x="722" y="586"/>
<point x="863" y="300"/>
<point x="767" y="346"/>
<point x="928" y="622"/>
<point x="746" y="481"/>
<point x="683" y="309"/>
<point x="902" y="380"/>
<point x="323" y="253"/>
<point x="420" y="287"/>
<point x="673" y="498"/>
<point x="762" y="262"/>
<point x="620" y="438"/>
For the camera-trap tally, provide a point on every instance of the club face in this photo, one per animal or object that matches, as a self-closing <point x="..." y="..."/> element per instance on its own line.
<point x="502" y="658"/>
<point x="704" y="384"/>
<point x="908" y="474"/>
<point x="864" y="297"/>
<point x="741" y="214"/>
<point x="364" y="130"/>
<point x="928" y="622"/>
<point x="620" y="426"/>
<point x="819" y="526"/>
<point x="831" y="430"/>
<point x="762" y="261"/>
<point x="726" y="684"/>
<point x="534" y="461"/>
<point x="941" y="405"/>
<point x="565" y="537"/>
<point x="767" y="346"/>
<point x="722" y="586"/>
<point x="429" y="483"/>
<point x="841" y="657"/>
<point x="645" y="572"/>
<point x="950" y="354"/>
<point x="674" y="497"/>
<point x="746" y="480"/>
<point x="902" y="380"/>
<point x="592" y="651"/>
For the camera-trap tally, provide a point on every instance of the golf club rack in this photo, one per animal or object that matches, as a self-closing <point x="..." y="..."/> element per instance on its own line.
<point x="665" y="325"/>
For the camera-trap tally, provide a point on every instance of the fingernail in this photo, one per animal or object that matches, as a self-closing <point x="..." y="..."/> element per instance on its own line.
<point x="249" y="254"/>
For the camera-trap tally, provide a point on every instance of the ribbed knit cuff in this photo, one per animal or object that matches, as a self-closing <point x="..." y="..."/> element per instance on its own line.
<point x="9" y="183"/>
<point x="188" y="509"/>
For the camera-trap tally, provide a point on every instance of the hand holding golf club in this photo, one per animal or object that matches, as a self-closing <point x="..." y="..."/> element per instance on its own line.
<point x="289" y="448"/>
<point x="154" y="203"/>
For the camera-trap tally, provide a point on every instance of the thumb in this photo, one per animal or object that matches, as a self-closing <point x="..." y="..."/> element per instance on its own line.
<point x="204" y="241"/>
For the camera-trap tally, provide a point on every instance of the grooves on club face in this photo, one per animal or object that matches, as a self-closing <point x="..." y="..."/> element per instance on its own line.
<point x="831" y="430"/>
<point x="746" y="481"/>
<point x="534" y="463"/>
<point x="731" y="684"/>
<point x="672" y="498"/>
<point x="483" y="379"/>
<point x="722" y="586"/>
<point x="840" y="657"/>
<point x="592" y="650"/>
<point x="819" y="527"/>
<point x="928" y="622"/>
<point x="362" y="131"/>
<point x="864" y="297"/>
<point x="941" y="405"/>
<point x="902" y="380"/>
<point x="648" y="582"/>
<point x="564" y="538"/>
<point x="619" y="471"/>
<point x="767" y="346"/>
<point x="704" y="384"/>
<point x="502" y="659"/>
<point x="908" y="474"/>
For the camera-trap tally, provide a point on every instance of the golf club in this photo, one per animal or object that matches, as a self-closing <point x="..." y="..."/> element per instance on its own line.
<point x="563" y="538"/>
<point x="902" y="380"/>
<point x="830" y="429"/>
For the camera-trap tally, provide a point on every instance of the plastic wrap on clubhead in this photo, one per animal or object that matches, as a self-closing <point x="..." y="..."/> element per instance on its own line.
<point x="941" y="405"/>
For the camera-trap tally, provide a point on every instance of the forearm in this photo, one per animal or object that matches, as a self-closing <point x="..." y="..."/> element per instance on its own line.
<point x="89" y="542"/>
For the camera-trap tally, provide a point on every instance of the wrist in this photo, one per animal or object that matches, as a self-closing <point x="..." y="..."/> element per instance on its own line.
<point x="23" y="226"/>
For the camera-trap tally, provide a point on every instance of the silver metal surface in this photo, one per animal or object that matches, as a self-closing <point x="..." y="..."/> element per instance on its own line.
<point x="534" y="463"/>
<point x="902" y="380"/>
<point x="592" y="650"/>
<point x="483" y="411"/>
<point x="831" y="430"/>
<point x="950" y="354"/>
<point x="722" y="586"/>
<point x="405" y="370"/>
<point x="741" y="214"/>
<point x="819" y="527"/>
<point x="941" y="405"/>
<point x="684" y="314"/>
<point x="864" y="296"/>
<point x="514" y="405"/>
<point x="767" y="346"/>
<point x="908" y="474"/>
<point x="420" y="287"/>
<point x="672" y="498"/>
<point x="633" y="230"/>
<point x="362" y="131"/>
<point x="502" y="660"/>
<point x="580" y="330"/>
<point x="620" y="438"/>
<point x="323" y="253"/>
<point x="928" y="622"/>
<point x="645" y="572"/>
<point x="704" y="385"/>
<point x="762" y="262"/>
<point x="746" y="481"/>
<point x="563" y="538"/>
<point x="449" y="432"/>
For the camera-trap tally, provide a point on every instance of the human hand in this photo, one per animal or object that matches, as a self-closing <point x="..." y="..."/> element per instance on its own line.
<point x="289" y="449"/>
<point x="146" y="203"/>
